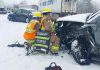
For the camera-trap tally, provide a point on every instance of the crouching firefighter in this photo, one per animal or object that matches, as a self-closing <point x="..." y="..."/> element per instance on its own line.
<point x="47" y="23"/>
<point x="30" y="34"/>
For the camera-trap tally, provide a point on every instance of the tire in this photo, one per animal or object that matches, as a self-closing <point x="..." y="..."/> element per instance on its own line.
<point x="78" y="55"/>
<point x="9" y="19"/>
<point x="27" y="20"/>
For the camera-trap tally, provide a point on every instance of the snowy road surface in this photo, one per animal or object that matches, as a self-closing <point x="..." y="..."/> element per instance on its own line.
<point x="15" y="59"/>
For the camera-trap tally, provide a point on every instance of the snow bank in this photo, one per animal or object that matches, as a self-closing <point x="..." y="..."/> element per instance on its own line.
<point x="15" y="59"/>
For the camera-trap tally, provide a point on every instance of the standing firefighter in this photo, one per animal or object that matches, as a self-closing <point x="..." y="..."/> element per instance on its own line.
<point x="48" y="24"/>
<point x="31" y="30"/>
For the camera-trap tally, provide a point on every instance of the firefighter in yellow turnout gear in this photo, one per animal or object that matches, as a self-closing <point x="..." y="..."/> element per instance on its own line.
<point x="44" y="22"/>
<point x="48" y="24"/>
<point x="31" y="30"/>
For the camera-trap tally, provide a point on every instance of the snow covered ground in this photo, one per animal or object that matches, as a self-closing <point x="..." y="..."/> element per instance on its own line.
<point x="15" y="59"/>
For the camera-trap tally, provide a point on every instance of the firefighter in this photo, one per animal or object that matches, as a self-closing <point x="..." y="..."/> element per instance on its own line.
<point x="48" y="24"/>
<point x="31" y="30"/>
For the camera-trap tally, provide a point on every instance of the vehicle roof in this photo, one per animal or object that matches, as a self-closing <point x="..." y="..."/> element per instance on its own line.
<point x="31" y="10"/>
<point x="75" y="18"/>
<point x="28" y="9"/>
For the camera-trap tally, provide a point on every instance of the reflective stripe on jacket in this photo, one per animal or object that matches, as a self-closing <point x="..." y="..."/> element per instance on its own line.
<point x="41" y="22"/>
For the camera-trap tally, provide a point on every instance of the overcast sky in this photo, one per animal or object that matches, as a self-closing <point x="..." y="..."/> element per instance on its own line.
<point x="18" y="1"/>
<point x="96" y="2"/>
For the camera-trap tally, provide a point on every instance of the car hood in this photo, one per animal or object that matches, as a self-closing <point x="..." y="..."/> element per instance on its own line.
<point x="75" y="18"/>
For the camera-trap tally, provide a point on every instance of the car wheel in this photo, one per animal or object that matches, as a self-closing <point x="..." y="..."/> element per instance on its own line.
<point x="77" y="53"/>
<point x="9" y="19"/>
<point x="27" y="20"/>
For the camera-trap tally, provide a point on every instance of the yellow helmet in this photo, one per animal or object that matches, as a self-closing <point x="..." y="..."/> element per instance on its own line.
<point x="45" y="10"/>
<point x="37" y="14"/>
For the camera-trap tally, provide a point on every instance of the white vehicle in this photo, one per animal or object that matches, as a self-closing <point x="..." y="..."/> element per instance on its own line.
<point x="81" y="35"/>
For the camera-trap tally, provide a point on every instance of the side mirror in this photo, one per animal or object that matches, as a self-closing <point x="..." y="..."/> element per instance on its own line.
<point x="30" y="13"/>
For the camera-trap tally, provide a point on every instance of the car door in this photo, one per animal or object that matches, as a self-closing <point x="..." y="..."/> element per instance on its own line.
<point x="24" y="14"/>
<point x="17" y="15"/>
<point x="95" y="20"/>
<point x="97" y="31"/>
